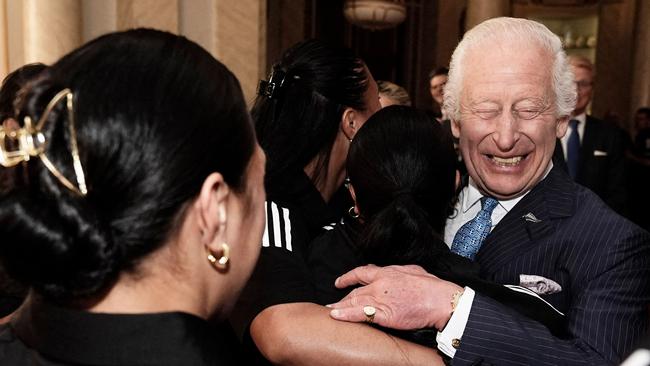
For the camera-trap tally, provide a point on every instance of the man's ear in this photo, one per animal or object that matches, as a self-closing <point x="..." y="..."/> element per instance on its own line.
<point x="561" y="127"/>
<point x="212" y="209"/>
<point x="349" y="125"/>
<point x="455" y="128"/>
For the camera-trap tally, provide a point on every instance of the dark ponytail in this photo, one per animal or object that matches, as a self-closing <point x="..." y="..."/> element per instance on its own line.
<point x="155" y="114"/>
<point x="297" y="120"/>
<point x="398" y="234"/>
<point x="401" y="165"/>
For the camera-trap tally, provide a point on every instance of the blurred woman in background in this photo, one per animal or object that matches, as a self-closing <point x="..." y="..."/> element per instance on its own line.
<point x="392" y="94"/>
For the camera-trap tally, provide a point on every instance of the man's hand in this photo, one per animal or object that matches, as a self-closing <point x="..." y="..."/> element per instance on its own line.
<point x="405" y="297"/>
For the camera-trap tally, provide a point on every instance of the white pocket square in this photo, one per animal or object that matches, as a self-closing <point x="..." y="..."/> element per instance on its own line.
<point x="600" y="153"/>
<point x="539" y="285"/>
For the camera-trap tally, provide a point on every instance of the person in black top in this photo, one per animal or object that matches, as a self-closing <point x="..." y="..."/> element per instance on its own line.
<point x="307" y="113"/>
<point x="402" y="179"/>
<point x="133" y="207"/>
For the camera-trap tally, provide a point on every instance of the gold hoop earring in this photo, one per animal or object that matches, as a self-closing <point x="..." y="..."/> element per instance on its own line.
<point x="220" y="264"/>
<point x="353" y="213"/>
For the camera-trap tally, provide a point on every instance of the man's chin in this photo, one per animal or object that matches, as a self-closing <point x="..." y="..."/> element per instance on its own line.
<point x="503" y="189"/>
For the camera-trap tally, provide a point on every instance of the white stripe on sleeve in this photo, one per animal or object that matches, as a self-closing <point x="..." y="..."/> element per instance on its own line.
<point x="265" y="237"/>
<point x="287" y="227"/>
<point x="277" y="230"/>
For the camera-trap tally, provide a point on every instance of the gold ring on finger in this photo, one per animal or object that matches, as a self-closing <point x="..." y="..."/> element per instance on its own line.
<point x="369" y="312"/>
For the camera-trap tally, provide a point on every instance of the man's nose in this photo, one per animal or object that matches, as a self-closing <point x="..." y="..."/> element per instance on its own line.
<point x="506" y="134"/>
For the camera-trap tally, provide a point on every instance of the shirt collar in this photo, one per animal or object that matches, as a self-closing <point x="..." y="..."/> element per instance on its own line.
<point x="472" y="196"/>
<point x="582" y="117"/>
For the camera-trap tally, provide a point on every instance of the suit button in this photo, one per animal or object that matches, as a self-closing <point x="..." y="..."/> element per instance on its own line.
<point x="455" y="343"/>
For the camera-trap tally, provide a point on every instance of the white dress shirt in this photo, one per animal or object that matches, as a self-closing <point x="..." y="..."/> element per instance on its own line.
<point x="467" y="207"/>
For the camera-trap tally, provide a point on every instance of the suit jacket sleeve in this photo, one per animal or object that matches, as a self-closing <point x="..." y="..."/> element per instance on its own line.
<point x="606" y="317"/>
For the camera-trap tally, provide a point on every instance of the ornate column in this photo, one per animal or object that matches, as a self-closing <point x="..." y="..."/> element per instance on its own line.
<point x="99" y="17"/>
<point x="159" y="14"/>
<point x="51" y="29"/>
<point x="241" y="41"/>
<point x="198" y="21"/>
<point x="234" y="32"/>
<point x="38" y="31"/>
<point x="4" y="41"/>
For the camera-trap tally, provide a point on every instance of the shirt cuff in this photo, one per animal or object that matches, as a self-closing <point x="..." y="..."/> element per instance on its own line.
<point x="449" y="338"/>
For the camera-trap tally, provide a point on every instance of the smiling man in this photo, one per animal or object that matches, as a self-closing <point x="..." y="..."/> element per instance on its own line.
<point x="510" y="94"/>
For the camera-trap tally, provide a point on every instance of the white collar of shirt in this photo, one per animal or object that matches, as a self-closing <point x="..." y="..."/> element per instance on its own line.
<point x="471" y="196"/>
<point x="582" y="119"/>
<point x="469" y="205"/>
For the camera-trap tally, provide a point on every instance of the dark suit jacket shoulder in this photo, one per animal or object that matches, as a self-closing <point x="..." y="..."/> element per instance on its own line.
<point x="601" y="261"/>
<point x="601" y="166"/>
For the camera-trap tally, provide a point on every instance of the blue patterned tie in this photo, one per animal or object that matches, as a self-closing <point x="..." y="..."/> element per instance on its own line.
<point x="573" y="149"/>
<point x="470" y="236"/>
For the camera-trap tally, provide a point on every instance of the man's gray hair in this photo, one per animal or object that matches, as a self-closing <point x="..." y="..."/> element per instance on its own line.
<point x="512" y="29"/>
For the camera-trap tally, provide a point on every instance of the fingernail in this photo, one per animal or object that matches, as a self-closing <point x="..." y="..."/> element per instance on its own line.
<point x="334" y="313"/>
<point x="336" y="282"/>
<point x="328" y="305"/>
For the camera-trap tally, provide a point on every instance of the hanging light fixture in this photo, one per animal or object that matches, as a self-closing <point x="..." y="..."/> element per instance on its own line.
<point x="375" y="14"/>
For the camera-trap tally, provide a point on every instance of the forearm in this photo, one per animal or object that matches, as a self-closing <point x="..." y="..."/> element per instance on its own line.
<point x="305" y="334"/>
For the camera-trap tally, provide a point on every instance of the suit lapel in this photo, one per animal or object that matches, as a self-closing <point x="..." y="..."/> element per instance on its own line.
<point x="528" y="222"/>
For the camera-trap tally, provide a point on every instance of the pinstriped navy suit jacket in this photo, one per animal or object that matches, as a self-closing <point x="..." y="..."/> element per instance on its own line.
<point x="601" y="260"/>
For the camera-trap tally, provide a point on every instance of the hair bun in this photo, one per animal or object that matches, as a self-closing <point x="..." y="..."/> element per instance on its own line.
<point x="59" y="249"/>
<point x="402" y="193"/>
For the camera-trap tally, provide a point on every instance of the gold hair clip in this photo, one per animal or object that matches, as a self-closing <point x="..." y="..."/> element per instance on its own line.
<point x="29" y="141"/>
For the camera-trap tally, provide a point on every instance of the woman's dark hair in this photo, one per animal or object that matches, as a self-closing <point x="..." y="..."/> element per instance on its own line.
<point x="402" y="167"/>
<point x="12" y="293"/>
<point x="298" y="120"/>
<point x="12" y="85"/>
<point x="155" y="115"/>
<point x="438" y="71"/>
